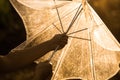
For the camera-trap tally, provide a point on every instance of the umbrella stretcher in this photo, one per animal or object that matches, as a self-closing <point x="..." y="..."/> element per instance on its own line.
<point x="92" y="52"/>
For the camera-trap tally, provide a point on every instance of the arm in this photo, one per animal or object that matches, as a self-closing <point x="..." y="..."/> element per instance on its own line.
<point x="21" y="58"/>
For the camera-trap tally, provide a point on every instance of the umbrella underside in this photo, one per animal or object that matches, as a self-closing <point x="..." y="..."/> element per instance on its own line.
<point x="91" y="52"/>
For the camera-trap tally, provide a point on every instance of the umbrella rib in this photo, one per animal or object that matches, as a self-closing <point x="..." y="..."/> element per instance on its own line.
<point x="58" y="16"/>
<point x="74" y="18"/>
<point x="65" y="15"/>
<point x="92" y="58"/>
<point x="80" y="38"/>
<point x="57" y="28"/>
<point x="49" y="59"/>
<point x="77" y="31"/>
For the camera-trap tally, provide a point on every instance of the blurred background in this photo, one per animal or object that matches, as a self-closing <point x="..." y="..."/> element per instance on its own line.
<point x="12" y="31"/>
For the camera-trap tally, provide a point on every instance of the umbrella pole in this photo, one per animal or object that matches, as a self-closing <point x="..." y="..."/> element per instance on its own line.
<point x="49" y="59"/>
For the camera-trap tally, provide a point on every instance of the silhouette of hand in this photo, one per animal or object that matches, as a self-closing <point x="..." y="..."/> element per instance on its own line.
<point x="59" y="40"/>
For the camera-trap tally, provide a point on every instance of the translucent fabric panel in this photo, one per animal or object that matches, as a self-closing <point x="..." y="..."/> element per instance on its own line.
<point x="92" y="52"/>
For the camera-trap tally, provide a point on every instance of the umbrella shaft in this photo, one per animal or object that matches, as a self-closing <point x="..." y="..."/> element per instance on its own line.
<point x="53" y="53"/>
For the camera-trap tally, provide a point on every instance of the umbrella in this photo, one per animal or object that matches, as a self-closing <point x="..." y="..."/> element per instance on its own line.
<point x="92" y="52"/>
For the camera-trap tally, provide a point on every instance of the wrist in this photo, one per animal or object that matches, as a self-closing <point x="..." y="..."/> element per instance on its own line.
<point x="52" y="45"/>
<point x="49" y="45"/>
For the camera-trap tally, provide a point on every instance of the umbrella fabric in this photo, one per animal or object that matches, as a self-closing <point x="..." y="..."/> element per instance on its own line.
<point x="92" y="52"/>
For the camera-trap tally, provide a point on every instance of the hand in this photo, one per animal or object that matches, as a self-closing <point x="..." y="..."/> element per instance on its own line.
<point x="43" y="71"/>
<point x="59" y="40"/>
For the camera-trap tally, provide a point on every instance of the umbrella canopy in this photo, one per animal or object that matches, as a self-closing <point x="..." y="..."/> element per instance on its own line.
<point x="92" y="52"/>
